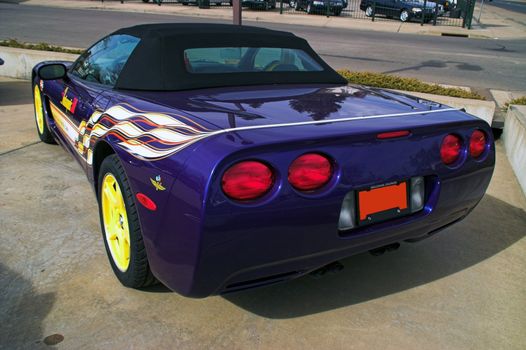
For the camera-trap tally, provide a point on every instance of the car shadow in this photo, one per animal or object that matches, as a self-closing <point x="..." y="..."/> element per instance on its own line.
<point x="492" y="227"/>
<point x="15" y="92"/>
<point x="22" y="311"/>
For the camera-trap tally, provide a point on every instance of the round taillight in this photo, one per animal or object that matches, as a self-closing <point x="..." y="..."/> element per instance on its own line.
<point x="247" y="180"/>
<point x="450" y="149"/>
<point x="477" y="143"/>
<point x="310" y="172"/>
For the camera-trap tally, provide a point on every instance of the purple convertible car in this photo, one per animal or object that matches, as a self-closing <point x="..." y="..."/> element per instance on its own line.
<point x="227" y="157"/>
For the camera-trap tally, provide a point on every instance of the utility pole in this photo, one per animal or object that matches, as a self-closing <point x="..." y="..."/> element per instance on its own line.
<point x="236" y="7"/>
<point x="480" y="13"/>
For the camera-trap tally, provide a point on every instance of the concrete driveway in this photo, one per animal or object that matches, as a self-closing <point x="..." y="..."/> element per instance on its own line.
<point x="465" y="288"/>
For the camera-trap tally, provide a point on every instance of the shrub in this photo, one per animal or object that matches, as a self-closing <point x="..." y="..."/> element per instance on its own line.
<point x="389" y="81"/>
<point x="515" y="101"/>
<point x="40" y="46"/>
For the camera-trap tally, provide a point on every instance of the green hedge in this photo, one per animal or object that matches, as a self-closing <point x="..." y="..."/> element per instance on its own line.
<point x="41" y="46"/>
<point x="407" y="84"/>
<point x="516" y="101"/>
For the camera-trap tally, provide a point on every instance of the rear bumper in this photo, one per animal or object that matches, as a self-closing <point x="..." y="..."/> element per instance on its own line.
<point x="282" y="252"/>
<point x="323" y="8"/>
<point x="236" y="254"/>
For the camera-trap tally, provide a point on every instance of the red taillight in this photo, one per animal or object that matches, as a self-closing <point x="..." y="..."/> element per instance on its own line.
<point x="310" y="172"/>
<point x="247" y="180"/>
<point x="146" y="201"/>
<point x="477" y="143"/>
<point x="450" y="149"/>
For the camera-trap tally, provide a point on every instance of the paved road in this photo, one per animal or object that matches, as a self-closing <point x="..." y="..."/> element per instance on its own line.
<point x="470" y="62"/>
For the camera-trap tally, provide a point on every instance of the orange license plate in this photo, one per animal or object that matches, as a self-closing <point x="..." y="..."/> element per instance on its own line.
<point x="383" y="202"/>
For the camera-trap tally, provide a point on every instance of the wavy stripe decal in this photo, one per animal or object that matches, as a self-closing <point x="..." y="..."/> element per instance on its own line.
<point x="153" y="136"/>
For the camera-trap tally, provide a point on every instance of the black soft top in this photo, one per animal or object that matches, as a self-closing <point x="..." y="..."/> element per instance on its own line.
<point x="157" y="63"/>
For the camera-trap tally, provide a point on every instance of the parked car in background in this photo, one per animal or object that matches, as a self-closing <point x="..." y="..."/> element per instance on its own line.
<point x="405" y="10"/>
<point x="212" y="2"/>
<point x="259" y="4"/>
<point x="335" y="7"/>
<point x="195" y="2"/>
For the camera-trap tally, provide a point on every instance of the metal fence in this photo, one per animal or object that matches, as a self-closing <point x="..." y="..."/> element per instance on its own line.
<point x="442" y="12"/>
<point x="457" y="13"/>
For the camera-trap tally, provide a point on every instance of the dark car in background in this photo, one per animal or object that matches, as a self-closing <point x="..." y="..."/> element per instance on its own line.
<point x="259" y="4"/>
<point x="195" y="2"/>
<point x="334" y="7"/>
<point x="405" y="10"/>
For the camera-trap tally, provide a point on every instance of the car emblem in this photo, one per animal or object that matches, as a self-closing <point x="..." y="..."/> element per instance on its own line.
<point x="157" y="183"/>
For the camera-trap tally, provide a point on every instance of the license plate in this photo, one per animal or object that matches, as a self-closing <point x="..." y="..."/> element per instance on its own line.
<point x="383" y="202"/>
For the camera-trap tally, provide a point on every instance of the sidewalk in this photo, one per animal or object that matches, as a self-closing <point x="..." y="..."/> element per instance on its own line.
<point x="498" y="23"/>
<point x="493" y="25"/>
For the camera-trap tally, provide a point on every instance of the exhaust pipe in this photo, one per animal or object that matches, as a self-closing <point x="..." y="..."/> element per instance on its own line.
<point x="386" y="248"/>
<point x="327" y="269"/>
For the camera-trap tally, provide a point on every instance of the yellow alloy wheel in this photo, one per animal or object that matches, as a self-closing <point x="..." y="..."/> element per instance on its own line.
<point x="115" y="220"/>
<point x="39" y="114"/>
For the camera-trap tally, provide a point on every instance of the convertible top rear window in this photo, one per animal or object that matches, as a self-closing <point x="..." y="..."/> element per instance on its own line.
<point x="212" y="60"/>
<point x="181" y="56"/>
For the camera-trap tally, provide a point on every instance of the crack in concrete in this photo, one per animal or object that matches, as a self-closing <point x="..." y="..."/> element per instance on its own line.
<point x="19" y="148"/>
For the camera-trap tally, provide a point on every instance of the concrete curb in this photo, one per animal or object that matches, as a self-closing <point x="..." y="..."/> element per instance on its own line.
<point x="18" y="63"/>
<point x="514" y="136"/>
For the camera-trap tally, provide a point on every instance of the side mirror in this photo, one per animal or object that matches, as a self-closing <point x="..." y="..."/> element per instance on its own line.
<point x="52" y="71"/>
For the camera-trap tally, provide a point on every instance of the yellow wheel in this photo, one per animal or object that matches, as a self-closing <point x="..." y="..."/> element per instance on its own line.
<point x="115" y="222"/>
<point x="39" y="113"/>
<point x="42" y="129"/>
<point x="121" y="230"/>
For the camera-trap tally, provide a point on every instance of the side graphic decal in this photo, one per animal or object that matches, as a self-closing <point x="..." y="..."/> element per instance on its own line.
<point x="145" y="135"/>
<point x="69" y="104"/>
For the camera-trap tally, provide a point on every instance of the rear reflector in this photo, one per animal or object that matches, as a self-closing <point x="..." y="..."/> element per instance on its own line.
<point x="247" y="180"/>
<point x="450" y="149"/>
<point x="310" y="172"/>
<point x="392" y="134"/>
<point x="477" y="143"/>
<point x="146" y="201"/>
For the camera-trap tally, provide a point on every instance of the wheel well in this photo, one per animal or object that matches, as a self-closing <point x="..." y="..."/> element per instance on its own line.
<point x="101" y="151"/>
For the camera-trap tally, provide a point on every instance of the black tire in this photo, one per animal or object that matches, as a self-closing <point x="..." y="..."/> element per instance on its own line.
<point x="145" y="0"/>
<point x="43" y="133"/>
<point x="138" y="273"/>
<point x="337" y="13"/>
<point x="404" y="16"/>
